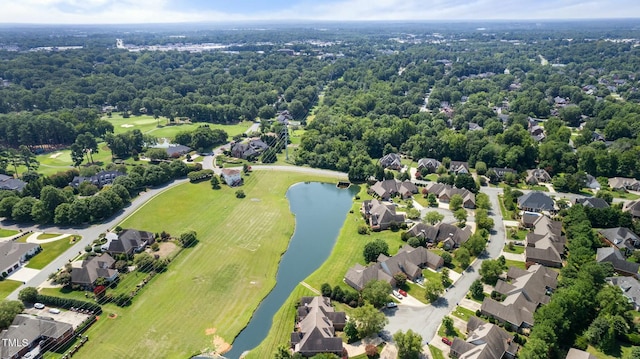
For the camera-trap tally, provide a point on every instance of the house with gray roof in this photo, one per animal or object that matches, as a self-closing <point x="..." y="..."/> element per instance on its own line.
<point x="9" y="183"/>
<point x="591" y="182"/>
<point x="579" y="354"/>
<point x="484" y="341"/>
<point x="537" y="175"/>
<point x="408" y="260"/>
<point x="392" y="187"/>
<point x="459" y="167"/>
<point x="128" y="242"/>
<point x="536" y="201"/>
<point x="14" y="254"/>
<point x="592" y="202"/>
<point x="524" y="291"/>
<point x="315" y="329"/>
<point x="100" y="179"/>
<point x="431" y="164"/>
<point x="27" y="332"/>
<point x="623" y="184"/>
<point x="85" y="273"/>
<point x="249" y="149"/>
<point x="621" y="265"/>
<point x="630" y="289"/>
<point x="633" y="207"/>
<point x="622" y="238"/>
<point x="444" y="192"/>
<point x="391" y="161"/>
<point x="380" y="216"/>
<point x="450" y="235"/>
<point x="502" y="172"/>
<point x="545" y="244"/>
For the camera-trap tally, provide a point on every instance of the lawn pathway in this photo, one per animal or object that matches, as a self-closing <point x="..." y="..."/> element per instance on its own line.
<point x="304" y="284"/>
<point x="34" y="238"/>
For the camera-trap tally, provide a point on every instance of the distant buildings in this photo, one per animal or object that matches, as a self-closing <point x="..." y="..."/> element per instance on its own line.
<point x="445" y="192"/>
<point x="450" y="235"/>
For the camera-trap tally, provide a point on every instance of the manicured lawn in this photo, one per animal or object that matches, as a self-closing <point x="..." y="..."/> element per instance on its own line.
<point x="48" y="235"/>
<point x="420" y="199"/>
<point x="516" y="249"/>
<point x="624" y="195"/>
<point x="441" y="332"/>
<point x="159" y="128"/>
<point x="516" y="264"/>
<point x="296" y="136"/>
<point x="436" y="353"/>
<point x="50" y="251"/>
<point x="620" y="350"/>
<point x="455" y="264"/>
<point x="213" y="287"/>
<point x="518" y="235"/>
<point x="7" y="287"/>
<point x="505" y="214"/>
<point x="7" y="232"/>
<point x="66" y="293"/>
<point x="463" y="313"/>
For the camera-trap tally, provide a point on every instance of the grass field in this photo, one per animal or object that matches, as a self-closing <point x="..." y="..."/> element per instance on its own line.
<point x="516" y="264"/>
<point x="463" y="313"/>
<point x="7" y="287"/>
<point x="620" y="350"/>
<point x="50" y="251"/>
<point x="436" y="353"/>
<point x="210" y="290"/>
<point x="7" y="232"/>
<point x="48" y="235"/>
<point x="516" y="249"/>
<point x="159" y="128"/>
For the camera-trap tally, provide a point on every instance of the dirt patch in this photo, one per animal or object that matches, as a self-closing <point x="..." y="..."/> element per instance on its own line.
<point x="219" y="345"/>
<point x="166" y="248"/>
<point x="210" y="331"/>
<point x="112" y="316"/>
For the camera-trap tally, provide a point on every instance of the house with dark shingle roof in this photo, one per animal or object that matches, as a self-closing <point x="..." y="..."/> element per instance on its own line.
<point x="502" y="172"/>
<point x="380" y="216"/>
<point x="100" y="179"/>
<point x="249" y="149"/>
<point x="592" y="202"/>
<point x="630" y="289"/>
<point x="545" y="244"/>
<point x="128" y="242"/>
<point x="431" y="164"/>
<point x="623" y="184"/>
<point x="537" y="175"/>
<point x="536" y="201"/>
<point x="9" y="183"/>
<point x="484" y="341"/>
<point x="633" y="207"/>
<point x="408" y="260"/>
<point x="444" y="192"/>
<point x="14" y="254"/>
<point x="459" y="167"/>
<point x="524" y="293"/>
<point x="86" y="272"/>
<point x="27" y="332"/>
<point x="622" y="238"/>
<point x="450" y="235"/>
<point x="391" y="161"/>
<point x="175" y="150"/>
<point x="620" y="263"/>
<point x="392" y="187"/>
<point x="316" y="324"/>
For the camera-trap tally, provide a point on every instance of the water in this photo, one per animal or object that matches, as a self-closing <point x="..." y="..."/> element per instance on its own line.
<point x="320" y="210"/>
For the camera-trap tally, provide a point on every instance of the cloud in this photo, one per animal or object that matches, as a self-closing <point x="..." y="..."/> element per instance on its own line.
<point x="160" y="11"/>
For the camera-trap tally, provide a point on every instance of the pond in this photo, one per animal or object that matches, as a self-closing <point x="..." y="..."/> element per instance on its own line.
<point x="320" y="210"/>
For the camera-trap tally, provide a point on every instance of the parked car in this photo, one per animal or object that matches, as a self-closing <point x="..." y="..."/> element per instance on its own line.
<point x="447" y="341"/>
<point x="38" y="306"/>
<point x="54" y="311"/>
<point x="402" y="292"/>
<point x="391" y="305"/>
<point x="396" y="294"/>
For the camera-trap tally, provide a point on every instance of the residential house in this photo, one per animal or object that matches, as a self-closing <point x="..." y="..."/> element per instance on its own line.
<point x="444" y="193"/>
<point x="431" y="164"/>
<point x="27" y="332"/>
<point x="591" y="182"/>
<point x="231" y="177"/>
<point x="502" y="172"/>
<point x="85" y="273"/>
<point x="474" y="126"/>
<point x="14" y="254"/>
<point x="536" y="201"/>
<point x="128" y="242"/>
<point x="391" y="161"/>
<point x="175" y="150"/>
<point x="315" y="329"/>
<point x="484" y="341"/>
<point x="284" y="117"/>
<point x="536" y="176"/>
<point x="579" y="354"/>
<point x="633" y="207"/>
<point x="623" y="184"/>
<point x="450" y="235"/>
<point x="524" y="292"/>
<point x="408" y="260"/>
<point x="597" y="137"/>
<point x="630" y="289"/>
<point x="622" y="238"/>
<point x="592" y="202"/>
<point x="100" y="179"/>
<point x="249" y="149"/>
<point x="459" y="167"/>
<point x="380" y="216"/>
<point x="616" y="258"/>
<point x="392" y="187"/>
<point x="545" y="244"/>
<point x="9" y="183"/>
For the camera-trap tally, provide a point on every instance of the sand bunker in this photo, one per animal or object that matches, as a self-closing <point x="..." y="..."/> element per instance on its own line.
<point x="126" y="125"/>
<point x="56" y="155"/>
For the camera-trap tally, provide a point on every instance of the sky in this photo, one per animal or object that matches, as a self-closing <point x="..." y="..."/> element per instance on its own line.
<point x="172" y="11"/>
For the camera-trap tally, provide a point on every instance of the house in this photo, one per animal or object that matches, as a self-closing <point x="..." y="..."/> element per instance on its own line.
<point x="175" y="151"/>
<point x="459" y="167"/>
<point x="315" y="329"/>
<point x="100" y="179"/>
<point x="529" y="219"/>
<point x="380" y="216"/>
<point x="450" y="235"/>
<point x="633" y="207"/>
<point x="536" y="201"/>
<point x="391" y="161"/>
<point x="623" y="184"/>
<point x="526" y="291"/>
<point x="128" y="242"/>
<point x="9" y="183"/>
<point x="27" y="332"/>
<point x="14" y="254"/>
<point x="537" y="175"/>
<point x="502" y="172"/>
<point x="231" y="177"/>
<point x="284" y="117"/>
<point x="249" y="149"/>
<point x="591" y="182"/>
<point x="474" y="126"/>
<point x="431" y="164"/>
<point x="86" y="272"/>
<point x="545" y="244"/>
<point x="620" y="264"/>
<point x="392" y="187"/>
<point x="537" y="133"/>
<point x="408" y="260"/>
<point x="630" y="289"/>
<point x="444" y="193"/>
<point x="592" y="202"/>
<point x="579" y="354"/>
<point x="484" y="341"/>
<point x="622" y="238"/>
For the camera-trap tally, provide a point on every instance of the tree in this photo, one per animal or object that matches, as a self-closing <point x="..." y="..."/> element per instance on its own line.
<point x="490" y="270"/>
<point x="400" y="278"/>
<point x="374" y="248"/>
<point x="463" y="256"/>
<point x="433" y="201"/>
<point x="369" y="320"/>
<point x="605" y="195"/>
<point x="409" y="344"/>
<point x="144" y="262"/>
<point x="22" y="209"/>
<point x="215" y="182"/>
<point x="433" y="290"/>
<point x="482" y="201"/>
<point x="325" y="289"/>
<point x="28" y="295"/>
<point x="240" y="194"/>
<point x="455" y="203"/>
<point x="351" y="331"/>
<point x="449" y="329"/>
<point x="188" y="239"/>
<point x="376" y="293"/>
<point x="461" y="215"/>
<point x="157" y="154"/>
<point x="477" y="290"/>
<point x="433" y="217"/>
<point x="481" y="168"/>
<point x="371" y="350"/>
<point x="8" y="310"/>
<point x="413" y="213"/>
<point x="447" y="258"/>
<point x="282" y="353"/>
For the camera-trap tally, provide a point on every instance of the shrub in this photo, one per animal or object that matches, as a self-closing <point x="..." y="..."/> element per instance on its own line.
<point x="240" y="194"/>
<point x="371" y="350"/>
<point x="155" y="247"/>
<point x="363" y="229"/>
<point x="67" y="303"/>
<point x="447" y="258"/>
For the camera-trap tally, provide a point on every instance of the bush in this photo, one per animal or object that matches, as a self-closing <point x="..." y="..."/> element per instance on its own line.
<point x="447" y="258"/>
<point x="28" y="295"/>
<point x="371" y="350"/>
<point x="240" y="194"/>
<point x="67" y="303"/>
<point x="363" y="229"/>
<point x="155" y="247"/>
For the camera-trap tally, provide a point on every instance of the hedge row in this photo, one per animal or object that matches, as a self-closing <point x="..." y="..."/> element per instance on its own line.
<point x="67" y="303"/>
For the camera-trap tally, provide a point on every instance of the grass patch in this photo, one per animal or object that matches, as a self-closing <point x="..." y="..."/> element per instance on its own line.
<point x="436" y="353"/>
<point x="7" y="287"/>
<point x="505" y="214"/>
<point x="624" y="195"/>
<point x="516" y="249"/>
<point x="222" y="279"/>
<point x="8" y="232"/>
<point x="66" y="293"/>
<point x="517" y="264"/>
<point x="50" y="251"/>
<point x="48" y="235"/>
<point x="517" y="234"/>
<point x="463" y="313"/>
<point x="160" y="128"/>
<point x="620" y="350"/>
<point x="455" y="264"/>
<point x="457" y="333"/>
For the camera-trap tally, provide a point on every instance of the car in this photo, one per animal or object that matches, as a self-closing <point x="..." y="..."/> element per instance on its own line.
<point x="447" y="341"/>
<point x="54" y="311"/>
<point x="404" y="294"/>
<point x="396" y="294"/>
<point x="38" y="306"/>
<point x="391" y="305"/>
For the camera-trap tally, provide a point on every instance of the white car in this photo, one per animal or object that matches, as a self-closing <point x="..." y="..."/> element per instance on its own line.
<point x="54" y="311"/>
<point x="38" y="306"/>
<point x="391" y="305"/>
<point x="397" y="294"/>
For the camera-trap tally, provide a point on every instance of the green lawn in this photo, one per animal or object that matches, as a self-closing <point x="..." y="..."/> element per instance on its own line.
<point x="463" y="313"/>
<point x="441" y="332"/>
<point x="516" y="249"/>
<point x="159" y="128"/>
<point x="518" y="235"/>
<point x="50" y="251"/>
<point x="7" y="232"/>
<point x="508" y="215"/>
<point x="7" y="287"/>
<point x="48" y="235"/>
<point x="516" y="264"/>
<point x="213" y="287"/>
<point x="436" y="353"/>
<point x="66" y="293"/>
<point x="624" y="195"/>
<point x="620" y="350"/>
